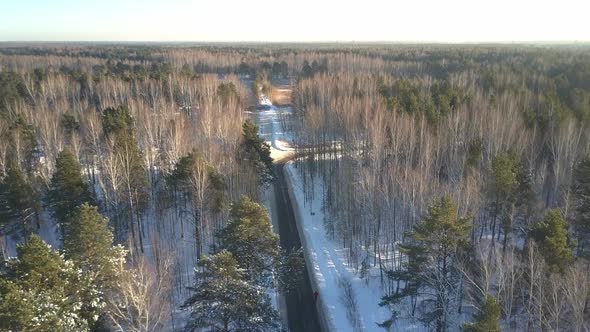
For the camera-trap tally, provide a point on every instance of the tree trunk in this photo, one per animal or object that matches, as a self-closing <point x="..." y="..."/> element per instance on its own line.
<point x="198" y="244"/>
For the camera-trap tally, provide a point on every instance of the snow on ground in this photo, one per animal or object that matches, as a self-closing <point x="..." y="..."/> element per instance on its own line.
<point x="270" y="128"/>
<point x="271" y="123"/>
<point x="277" y="299"/>
<point x="347" y="302"/>
<point x="264" y="100"/>
<point x="353" y="308"/>
<point x="48" y="231"/>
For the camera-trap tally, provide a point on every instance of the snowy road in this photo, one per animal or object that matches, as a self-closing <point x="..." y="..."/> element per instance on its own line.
<point x="349" y="302"/>
<point x="346" y="302"/>
<point x="297" y="307"/>
<point x="300" y="306"/>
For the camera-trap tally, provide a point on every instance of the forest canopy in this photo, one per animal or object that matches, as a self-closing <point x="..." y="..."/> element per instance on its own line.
<point x="454" y="179"/>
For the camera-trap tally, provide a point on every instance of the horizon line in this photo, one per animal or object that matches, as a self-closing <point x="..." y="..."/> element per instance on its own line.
<point x="472" y="42"/>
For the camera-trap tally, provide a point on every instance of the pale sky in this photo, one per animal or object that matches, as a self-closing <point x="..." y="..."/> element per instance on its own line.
<point x="296" y="20"/>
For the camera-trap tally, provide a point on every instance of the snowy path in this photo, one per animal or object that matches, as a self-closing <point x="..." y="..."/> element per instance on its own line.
<point x="296" y="308"/>
<point x="270" y="123"/>
<point x="329" y="272"/>
<point x="353" y="309"/>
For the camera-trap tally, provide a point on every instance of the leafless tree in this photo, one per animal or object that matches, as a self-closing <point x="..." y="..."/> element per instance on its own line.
<point x="140" y="301"/>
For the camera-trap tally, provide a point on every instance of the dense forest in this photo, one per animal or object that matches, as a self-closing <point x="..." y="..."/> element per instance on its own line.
<point x="131" y="182"/>
<point x="462" y="174"/>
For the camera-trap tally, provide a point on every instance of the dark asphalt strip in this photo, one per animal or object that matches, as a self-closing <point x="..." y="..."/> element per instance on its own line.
<point x="301" y="310"/>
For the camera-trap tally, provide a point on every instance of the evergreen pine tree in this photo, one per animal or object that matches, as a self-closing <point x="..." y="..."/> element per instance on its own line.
<point x="525" y="195"/>
<point x="67" y="189"/>
<point x="474" y="153"/>
<point x="21" y="140"/>
<point x="226" y="92"/>
<point x="249" y="237"/>
<point x="201" y="182"/>
<point x="581" y="189"/>
<point x="118" y="127"/>
<point x="116" y="120"/>
<point x="223" y="300"/>
<point x="290" y="270"/>
<point x="118" y="124"/>
<point x="552" y="238"/>
<point x="18" y="200"/>
<point x="410" y="275"/>
<point x="41" y="291"/>
<point x="184" y="175"/>
<point x="487" y="320"/>
<point x="431" y="248"/>
<point x="503" y="184"/>
<point x="89" y="243"/>
<point x="255" y="151"/>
